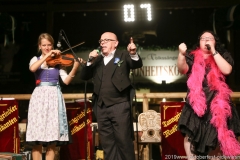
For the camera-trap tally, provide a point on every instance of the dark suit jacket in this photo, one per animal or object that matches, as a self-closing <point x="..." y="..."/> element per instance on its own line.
<point x="120" y="74"/>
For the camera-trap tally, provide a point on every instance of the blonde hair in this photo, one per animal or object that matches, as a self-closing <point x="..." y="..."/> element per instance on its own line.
<point x="45" y="36"/>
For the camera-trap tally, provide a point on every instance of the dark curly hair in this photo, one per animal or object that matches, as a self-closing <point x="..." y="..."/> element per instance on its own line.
<point x="218" y="46"/>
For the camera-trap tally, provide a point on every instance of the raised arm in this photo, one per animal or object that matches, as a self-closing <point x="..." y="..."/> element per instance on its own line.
<point x="222" y="64"/>
<point x="181" y="62"/>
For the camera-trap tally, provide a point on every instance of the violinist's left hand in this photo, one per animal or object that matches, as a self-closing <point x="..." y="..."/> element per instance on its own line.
<point x="81" y="60"/>
<point x="76" y="63"/>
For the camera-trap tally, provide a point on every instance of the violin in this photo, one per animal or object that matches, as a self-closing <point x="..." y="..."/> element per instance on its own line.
<point x="64" y="60"/>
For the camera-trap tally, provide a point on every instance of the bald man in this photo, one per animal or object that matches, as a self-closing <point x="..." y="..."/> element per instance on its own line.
<point x="113" y="95"/>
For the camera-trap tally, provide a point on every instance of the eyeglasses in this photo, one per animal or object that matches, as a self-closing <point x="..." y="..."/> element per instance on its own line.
<point x="206" y="38"/>
<point x="105" y="40"/>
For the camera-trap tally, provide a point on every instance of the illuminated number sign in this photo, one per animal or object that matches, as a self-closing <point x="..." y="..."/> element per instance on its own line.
<point x="129" y="12"/>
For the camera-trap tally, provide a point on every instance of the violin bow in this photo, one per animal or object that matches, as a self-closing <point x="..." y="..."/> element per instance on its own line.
<point x="75" y="56"/>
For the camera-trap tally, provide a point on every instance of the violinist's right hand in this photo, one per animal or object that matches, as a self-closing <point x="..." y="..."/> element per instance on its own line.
<point x="53" y="53"/>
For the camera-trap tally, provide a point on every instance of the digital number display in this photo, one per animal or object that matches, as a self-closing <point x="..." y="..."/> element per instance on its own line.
<point x="132" y="12"/>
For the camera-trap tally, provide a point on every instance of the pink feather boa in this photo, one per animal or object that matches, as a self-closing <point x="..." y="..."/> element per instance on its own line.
<point x="220" y="108"/>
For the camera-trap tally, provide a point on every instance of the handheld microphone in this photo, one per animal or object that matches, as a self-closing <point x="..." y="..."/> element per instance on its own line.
<point x="208" y="47"/>
<point x="98" y="50"/>
<point x="60" y="37"/>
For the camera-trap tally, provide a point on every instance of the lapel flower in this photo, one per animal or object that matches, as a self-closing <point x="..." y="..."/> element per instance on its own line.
<point x="38" y="81"/>
<point x="118" y="62"/>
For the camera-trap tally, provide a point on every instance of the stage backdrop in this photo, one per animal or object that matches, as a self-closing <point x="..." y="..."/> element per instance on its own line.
<point x="76" y="118"/>
<point x="9" y="133"/>
<point x="172" y="139"/>
<point x="158" y="66"/>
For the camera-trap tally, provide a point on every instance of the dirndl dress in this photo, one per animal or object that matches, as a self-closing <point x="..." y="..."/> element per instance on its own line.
<point x="47" y="119"/>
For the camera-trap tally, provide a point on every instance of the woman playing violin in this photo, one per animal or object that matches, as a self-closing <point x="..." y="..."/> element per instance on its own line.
<point x="47" y="120"/>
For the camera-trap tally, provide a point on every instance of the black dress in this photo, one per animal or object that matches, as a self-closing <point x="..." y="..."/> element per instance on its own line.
<point x="202" y="134"/>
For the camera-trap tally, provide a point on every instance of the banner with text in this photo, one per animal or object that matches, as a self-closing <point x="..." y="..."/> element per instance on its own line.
<point x="81" y="142"/>
<point x="172" y="139"/>
<point x="9" y="133"/>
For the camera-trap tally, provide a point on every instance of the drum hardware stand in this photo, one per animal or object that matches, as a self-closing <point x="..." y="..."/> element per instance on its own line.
<point x="94" y="126"/>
